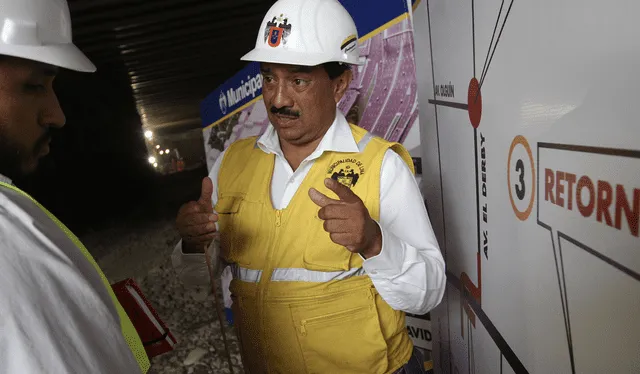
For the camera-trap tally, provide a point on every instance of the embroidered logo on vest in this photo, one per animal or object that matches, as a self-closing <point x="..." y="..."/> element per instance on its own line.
<point x="346" y="171"/>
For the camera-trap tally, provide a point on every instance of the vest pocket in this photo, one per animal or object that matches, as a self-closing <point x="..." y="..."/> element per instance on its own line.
<point x="336" y="339"/>
<point x="325" y="255"/>
<point x="237" y="228"/>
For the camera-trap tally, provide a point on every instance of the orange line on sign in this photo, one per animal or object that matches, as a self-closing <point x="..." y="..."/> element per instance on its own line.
<point x="428" y="365"/>
<point x="468" y="286"/>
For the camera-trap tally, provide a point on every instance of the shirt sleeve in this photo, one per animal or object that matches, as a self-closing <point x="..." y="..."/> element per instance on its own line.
<point x="192" y="267"/>
<point x="409" y="272"/>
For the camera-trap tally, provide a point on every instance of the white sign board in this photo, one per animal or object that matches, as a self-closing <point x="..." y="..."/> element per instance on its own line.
<point x="420" y="332"/>
<point x="531" y="168"/>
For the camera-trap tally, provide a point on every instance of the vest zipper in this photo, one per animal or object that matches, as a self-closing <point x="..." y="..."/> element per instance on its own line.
<point x="264" y="283"/>
<point x="278" y="218"/>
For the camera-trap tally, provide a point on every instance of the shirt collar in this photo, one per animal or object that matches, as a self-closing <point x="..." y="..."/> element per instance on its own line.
<point x="338" y="138"/>
<point x="6" y="180"/>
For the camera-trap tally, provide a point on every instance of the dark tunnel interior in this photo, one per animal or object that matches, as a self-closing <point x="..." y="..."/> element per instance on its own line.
<point x="157" y="58"/>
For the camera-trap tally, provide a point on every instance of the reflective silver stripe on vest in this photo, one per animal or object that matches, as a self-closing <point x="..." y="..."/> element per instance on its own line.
<point x="293" y="274"/>
<point x="362" y="144"/>
<point x="244" y="274"/>
<point x="304" y="275"/>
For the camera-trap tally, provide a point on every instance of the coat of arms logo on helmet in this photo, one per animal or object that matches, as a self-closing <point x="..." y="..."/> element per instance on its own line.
<point x="277" y="30"/>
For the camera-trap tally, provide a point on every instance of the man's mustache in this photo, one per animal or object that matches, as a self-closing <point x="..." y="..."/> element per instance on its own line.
<point x="285" y="111"/>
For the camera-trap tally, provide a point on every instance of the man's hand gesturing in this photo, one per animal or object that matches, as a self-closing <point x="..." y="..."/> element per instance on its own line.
<point x="196" y="221"/>
<point x="347" y="220"/>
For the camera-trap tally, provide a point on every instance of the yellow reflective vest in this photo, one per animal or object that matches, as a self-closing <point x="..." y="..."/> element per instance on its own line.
<point x="302" y="303"/>
<point x="128" y="330"/>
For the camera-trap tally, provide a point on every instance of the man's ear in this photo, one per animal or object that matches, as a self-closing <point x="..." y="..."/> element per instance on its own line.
<point x="341" y="84"/>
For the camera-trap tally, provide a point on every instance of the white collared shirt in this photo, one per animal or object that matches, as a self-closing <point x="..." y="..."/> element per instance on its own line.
<point x="56" y="315"/>
<point x="409" y="272"/>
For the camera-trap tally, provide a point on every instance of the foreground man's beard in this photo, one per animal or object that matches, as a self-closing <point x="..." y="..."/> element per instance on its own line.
<point x="14" y="158"/>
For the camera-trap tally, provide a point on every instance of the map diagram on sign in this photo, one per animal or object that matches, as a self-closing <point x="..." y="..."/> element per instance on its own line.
<point x="470" y="289"/>
<point x="543" y="249"/>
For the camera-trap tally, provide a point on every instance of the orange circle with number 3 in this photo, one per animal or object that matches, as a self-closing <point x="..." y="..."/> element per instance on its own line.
<point x="522" y="215"/>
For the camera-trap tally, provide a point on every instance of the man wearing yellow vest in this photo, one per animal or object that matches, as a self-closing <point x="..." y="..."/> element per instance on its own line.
<point x="58" y="313"/>
<point x="323" y="224"/>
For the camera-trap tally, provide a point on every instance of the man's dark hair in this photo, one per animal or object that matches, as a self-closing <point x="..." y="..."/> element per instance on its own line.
<point x="335" y="69"/>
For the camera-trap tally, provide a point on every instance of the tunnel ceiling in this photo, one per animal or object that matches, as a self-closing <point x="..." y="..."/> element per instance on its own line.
<point x="174" y="52"/>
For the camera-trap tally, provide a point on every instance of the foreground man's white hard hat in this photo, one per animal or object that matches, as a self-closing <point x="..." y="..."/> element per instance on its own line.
<point x="40" y="30"/>
<point x="308" y="33"/>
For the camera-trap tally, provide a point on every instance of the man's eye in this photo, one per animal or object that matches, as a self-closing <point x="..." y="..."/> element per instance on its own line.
<point x="299" y="82"/>
<point x="268" y="79"/>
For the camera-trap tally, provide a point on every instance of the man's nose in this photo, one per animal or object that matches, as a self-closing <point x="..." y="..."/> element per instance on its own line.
<point x="52" y="115"/>
<point x="281" y="97"/>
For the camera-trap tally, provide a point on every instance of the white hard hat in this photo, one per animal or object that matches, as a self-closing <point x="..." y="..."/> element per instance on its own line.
<point x="308" y="33"/>
<point x="40" y="30"/>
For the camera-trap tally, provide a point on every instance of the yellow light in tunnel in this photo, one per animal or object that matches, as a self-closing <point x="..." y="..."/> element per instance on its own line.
<point x="152" y="159"/>
<point x="166" y="151"/>
<point x="148" y="134"/>
<point x="161" y="152"/>
<point x="155" y="164"/>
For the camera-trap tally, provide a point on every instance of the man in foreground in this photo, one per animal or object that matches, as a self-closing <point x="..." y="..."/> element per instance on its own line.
<point x="58" y="313"/>
<point x="322" y="223"/>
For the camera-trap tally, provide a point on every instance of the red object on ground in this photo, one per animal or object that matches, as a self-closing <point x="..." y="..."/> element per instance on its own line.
<point x="155" y="336"/>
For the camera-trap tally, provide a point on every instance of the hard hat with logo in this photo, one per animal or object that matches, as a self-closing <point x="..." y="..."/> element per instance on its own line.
<point x="308" y="33"/>
<point x="40" y="30"/>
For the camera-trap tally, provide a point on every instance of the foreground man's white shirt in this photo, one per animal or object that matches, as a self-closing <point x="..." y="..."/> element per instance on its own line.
<point x="56" y="315"/>
<point x="409" y="273"/>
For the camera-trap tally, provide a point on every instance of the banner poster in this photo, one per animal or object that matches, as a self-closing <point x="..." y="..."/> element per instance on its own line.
<point x="382" y="99"/>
